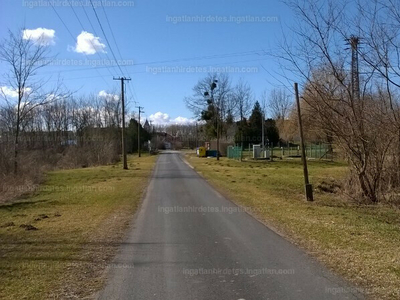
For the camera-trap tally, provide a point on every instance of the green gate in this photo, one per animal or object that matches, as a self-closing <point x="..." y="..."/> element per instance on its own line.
<point x="234" y="152"/>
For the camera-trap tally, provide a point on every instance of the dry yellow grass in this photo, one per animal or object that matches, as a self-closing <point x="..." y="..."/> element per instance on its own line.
<point x="361" y="243"/>
<point x="80" y="215"/>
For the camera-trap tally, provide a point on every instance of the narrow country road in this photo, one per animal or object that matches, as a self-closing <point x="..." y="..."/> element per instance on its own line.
<point x="188" y="242"/>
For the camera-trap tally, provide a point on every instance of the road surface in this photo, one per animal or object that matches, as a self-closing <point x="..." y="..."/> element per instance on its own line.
<point x="188" y="242"/>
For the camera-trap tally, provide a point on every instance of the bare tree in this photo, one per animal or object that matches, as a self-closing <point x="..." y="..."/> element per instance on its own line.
<point x="280" y="104"/>
<point x="358" y="112"/>
<point x="243" y="98"/>
<point x="210" y="103"/>
<point x="24" y="91"/>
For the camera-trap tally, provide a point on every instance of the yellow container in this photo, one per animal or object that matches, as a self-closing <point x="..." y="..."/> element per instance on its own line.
<point x="201" y="151"/>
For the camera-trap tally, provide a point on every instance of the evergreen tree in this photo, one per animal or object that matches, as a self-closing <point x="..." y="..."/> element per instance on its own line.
<point x="254" y="130"/>
<point x="271" y="132"/>
<point x="132" y="136"/>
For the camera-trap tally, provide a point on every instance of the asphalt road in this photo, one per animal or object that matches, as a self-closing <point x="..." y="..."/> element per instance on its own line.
<point x="188" y="242"/>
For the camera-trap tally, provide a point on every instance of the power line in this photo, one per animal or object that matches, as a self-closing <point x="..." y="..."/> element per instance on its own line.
<point x="201" y="58"/>
<point x="133" y="94"/>
<point x="83" y="27"/>
<point x="105" y="36"/>
<point x="91" y="25"/>
<point x="187" y="59"/>
<point x="142" y="72"/>
<point x="73" y="38"/>
<point x="112" y="32"/>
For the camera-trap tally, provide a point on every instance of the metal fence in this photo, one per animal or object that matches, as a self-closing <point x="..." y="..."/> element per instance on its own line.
<point x="234" y="152"/>
<point x="313" y="151"/>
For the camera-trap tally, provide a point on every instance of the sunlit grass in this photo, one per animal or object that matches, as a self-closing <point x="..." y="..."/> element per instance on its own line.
<point x="362" y="243"/>
<point x="79" y="214"/>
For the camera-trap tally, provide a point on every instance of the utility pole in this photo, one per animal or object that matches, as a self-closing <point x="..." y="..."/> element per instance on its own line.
<point x="123" y="143"/>
<point x="140" y="111"/>
<point x="262" y="130"/>
<point x="197" y="136"/>
<point x="218" y="121"/>
<point x="308" y="186"/>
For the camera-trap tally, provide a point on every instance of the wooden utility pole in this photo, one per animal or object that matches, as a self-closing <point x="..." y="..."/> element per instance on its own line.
<point x="263" y="131"/>
<point x="138" y="139"/>
<point x="125" y="163"/>
<point x="218" y="121"/>
<point x="308" y="186"/>
<point x="197" y="136"/>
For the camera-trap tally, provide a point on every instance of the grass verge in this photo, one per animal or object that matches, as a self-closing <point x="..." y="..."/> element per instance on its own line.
<point x="56" y="244"/>
<point x="361" y="243"/>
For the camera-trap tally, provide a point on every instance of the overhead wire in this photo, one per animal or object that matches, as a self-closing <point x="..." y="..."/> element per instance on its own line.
<point x="184" y="59"/>
<point x="73" y="38"/>
<point x="201" y="66"/>
<point x="133" y="93"/>
<point x="83" y="28"/>
<point x="105" y="36"/>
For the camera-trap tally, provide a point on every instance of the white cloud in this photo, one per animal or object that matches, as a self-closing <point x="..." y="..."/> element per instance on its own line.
<point x="108" y="96"/>
<point x="183" y="121"/>
<point x="40" y="36"/>
<point x="87" y="43"/>
<point x="159" y="118"/>
<point x="13" y="93"/>
<point x="163" y="119"/>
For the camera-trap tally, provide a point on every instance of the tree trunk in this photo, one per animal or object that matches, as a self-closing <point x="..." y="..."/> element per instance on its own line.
<point x="368" y="191"/>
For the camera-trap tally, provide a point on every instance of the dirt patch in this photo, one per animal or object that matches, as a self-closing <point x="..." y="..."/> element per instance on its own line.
<point x="41" y="217"/>
<point x="28" y="227"/>
<point x="331" y="187"/>
<point x="8" y="224"/>
<point x="91" y="264"/>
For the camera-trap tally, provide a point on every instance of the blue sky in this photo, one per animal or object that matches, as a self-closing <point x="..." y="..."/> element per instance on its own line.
<point x="190" y="38"/>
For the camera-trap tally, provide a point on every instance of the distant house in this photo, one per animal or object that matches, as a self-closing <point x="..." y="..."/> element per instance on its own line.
<point x="164" y="140"/>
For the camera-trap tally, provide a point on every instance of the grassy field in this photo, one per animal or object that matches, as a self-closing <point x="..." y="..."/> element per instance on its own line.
<point x="361" y="243"/>
<point x="56" y="244"/>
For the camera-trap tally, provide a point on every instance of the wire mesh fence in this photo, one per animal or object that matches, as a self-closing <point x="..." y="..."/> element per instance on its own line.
<point x="313" y="151"/>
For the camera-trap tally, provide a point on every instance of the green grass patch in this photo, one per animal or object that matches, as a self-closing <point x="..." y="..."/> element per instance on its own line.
<point x="361" y="243"/>
<point x="56" y="243"/>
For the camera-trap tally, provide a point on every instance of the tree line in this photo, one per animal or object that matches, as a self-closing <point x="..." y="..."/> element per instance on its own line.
<point x="346" y="56"/>
<point x="233" y="111"/>
<point x="45" y="126"/>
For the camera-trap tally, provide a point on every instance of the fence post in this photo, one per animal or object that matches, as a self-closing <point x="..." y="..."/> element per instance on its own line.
<point x="319" y="150"/>
<point x="272" y="152"/>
